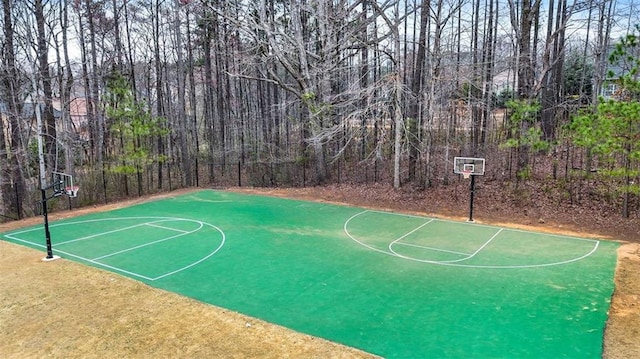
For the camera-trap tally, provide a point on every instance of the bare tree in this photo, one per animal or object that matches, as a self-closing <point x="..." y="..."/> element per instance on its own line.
<point x="65" y="83"/>
<point x="524" y="15"/>
<point x="308" y="49"/>
<point x="417" y="84"/>
<point x="313" y="85"/>
<point x="45" y="79"/>
<point x="181" y="119"/>
<point x="12" y="180"/>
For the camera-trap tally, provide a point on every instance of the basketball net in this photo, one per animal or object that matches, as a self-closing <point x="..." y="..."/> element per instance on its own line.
<point x="466" y="174"/>
<point x="72" y="191"/>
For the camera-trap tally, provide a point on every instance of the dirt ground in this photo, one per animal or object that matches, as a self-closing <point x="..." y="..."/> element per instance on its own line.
<point x="62" y="309"/>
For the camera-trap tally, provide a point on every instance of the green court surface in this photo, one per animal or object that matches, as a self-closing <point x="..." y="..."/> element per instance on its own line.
<point x="394" y="285"/>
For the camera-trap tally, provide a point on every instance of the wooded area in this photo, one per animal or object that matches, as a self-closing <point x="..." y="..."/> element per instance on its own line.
<point x="140" y="96"/>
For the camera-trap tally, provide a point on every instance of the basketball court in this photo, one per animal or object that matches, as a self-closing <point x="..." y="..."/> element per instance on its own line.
<point x="392" y="284"/>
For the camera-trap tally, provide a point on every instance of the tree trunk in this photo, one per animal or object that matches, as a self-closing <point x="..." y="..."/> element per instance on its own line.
<point x="159" y="85"/>
<point x="12" y="183"/>
<point x="416" y="89"/>
<point x="209" y="98"/>
<point x="181" y="121"/>
<point x="66" y="86"/>
<point x="364" y="78"/>
<point x="195" y="144"/>
<point x="488" y="60"/>
<point x="221" y="111"/>
<point x="529" y="12"/>
<point x="49" y="120"/>
<point x="95" y="94"/>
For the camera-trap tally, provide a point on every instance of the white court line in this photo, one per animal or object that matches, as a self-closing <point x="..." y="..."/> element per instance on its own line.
<point x="196" y="262"/>
<point x="455" y="264"/>
<point x="79" y="257"/>
<point x="398" y="242"/>
<point x="151" y="224"/>
<point x="148" y="244"/>
<point x="431" y="248"/>
<point x="484" y="226"/>
<point x="346" y="224"/>
<point x="413" y="231"/>
<point x="477" y="251"/>
<point x="100" y="234"/>
<point x="10" y="236"/>
<point x="106" y="265"/>
<point x="117" y="269"/>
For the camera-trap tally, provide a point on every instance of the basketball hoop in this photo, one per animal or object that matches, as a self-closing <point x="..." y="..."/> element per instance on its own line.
<point x="466" y="174"/>
<point x="72" y="191"/>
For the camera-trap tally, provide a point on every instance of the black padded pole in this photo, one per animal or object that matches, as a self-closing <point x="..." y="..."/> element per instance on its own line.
<point x="45" y="213"/>
<point x="472" y="188"/>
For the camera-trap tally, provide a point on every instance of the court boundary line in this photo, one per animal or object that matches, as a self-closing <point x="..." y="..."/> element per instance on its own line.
<point x="456" y="264"/>
<point x="12" y="236"/>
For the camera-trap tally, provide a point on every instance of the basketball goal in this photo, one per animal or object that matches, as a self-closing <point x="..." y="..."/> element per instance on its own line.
<point x="469" y="167"/>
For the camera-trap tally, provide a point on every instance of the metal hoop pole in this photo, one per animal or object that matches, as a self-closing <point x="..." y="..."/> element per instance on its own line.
<point x="45" y="213"/>
<point x="472" y="188"/>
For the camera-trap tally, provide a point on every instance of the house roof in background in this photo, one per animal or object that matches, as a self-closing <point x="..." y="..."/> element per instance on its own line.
<point x="77" y="108"/>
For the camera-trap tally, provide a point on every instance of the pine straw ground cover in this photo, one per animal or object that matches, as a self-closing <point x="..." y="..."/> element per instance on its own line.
<point x="66" y="310"/>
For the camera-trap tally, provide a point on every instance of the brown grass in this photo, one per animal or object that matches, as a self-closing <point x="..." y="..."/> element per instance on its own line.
<point x="63" y="309"/>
